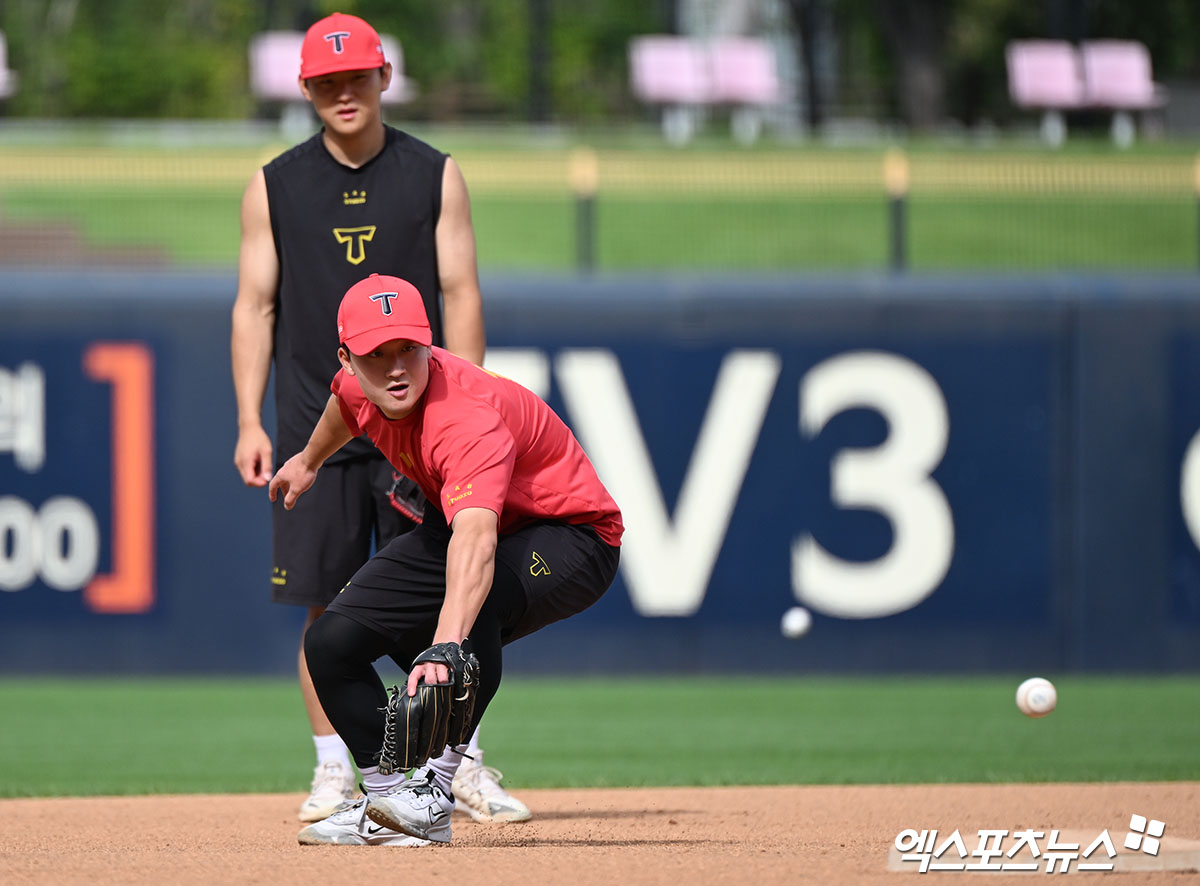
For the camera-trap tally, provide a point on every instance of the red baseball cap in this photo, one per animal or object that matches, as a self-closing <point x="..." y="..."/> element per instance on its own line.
<point x="340" y="42"/>
<point x="379" y="309"/>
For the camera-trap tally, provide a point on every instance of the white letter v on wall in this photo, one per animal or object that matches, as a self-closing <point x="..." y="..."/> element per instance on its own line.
<point x="667" y="563"/>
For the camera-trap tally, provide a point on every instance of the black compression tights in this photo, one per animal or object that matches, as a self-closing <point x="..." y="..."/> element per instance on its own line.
<point x="340" y="654"/>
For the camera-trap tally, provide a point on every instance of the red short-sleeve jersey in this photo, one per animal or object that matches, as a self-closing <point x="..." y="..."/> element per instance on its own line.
<point x="478" y="440"/>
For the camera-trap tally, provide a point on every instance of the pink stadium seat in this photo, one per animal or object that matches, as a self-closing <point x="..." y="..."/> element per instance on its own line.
<point x="275" y="64"/>
<point x="1117" y="75"/>
<point x="1112" y="75"/>
<point x="743" y="71"/>
<point x="401" y="89"/>
<point x="1044" y="74"/>
<point x="687" y="76"/>
<point x="669" y="70"/>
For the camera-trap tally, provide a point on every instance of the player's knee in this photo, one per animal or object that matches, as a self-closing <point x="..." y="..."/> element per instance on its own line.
<point x="327" y="643"/>
<point x="335" y="645"/>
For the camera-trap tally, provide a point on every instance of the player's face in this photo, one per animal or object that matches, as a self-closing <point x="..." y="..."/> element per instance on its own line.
<point x="393" y="376"/>
<point x="348" y="101"/>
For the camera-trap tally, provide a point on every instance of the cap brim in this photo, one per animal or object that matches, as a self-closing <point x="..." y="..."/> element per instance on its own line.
<point x="365" y="342"/>
<point x="336" y="68"/>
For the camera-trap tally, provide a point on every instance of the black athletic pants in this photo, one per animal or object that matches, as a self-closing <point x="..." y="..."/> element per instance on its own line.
<point x="544" y="572"/>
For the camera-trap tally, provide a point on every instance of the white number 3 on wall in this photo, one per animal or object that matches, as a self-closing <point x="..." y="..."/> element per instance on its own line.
<point x="892" y="479"/>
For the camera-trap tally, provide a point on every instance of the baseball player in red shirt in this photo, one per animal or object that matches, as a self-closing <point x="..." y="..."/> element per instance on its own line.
<point x="520" y="533"/>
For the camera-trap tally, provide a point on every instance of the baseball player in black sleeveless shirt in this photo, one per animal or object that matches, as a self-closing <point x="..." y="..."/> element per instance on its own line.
<point x="359" y="197"/>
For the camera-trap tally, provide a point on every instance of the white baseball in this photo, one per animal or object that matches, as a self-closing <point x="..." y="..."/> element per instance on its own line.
<point x="1036" y="697"/>
<point x="795" y="622"/>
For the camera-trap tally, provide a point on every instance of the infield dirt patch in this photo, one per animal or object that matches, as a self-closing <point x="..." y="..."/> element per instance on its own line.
<point x="676" y="836"/>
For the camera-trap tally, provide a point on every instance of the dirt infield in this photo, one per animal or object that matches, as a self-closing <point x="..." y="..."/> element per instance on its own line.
<point x="677" y="836"/>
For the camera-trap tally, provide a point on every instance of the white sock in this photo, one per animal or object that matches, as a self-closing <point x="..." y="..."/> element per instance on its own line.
<point x="331" y="749"/>
<point x="473" y="748"/>
<point x="443" y="769"/>
<point x="380" y="784"/>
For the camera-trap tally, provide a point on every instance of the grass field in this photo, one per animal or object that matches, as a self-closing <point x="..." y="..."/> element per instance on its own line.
<point x="804" y="209"/>
<point x="93" y="736"/>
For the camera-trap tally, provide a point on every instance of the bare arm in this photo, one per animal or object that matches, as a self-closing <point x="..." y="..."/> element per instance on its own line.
<point x="300" y="471"/>
<point x="470" y="565"/>
<point x="253" y="338"/>
<point x="458" y="271"/>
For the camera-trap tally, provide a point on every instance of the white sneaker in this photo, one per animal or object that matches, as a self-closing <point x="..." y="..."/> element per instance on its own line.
<point x="477" y="789"/>
<point x="417" y="807"/>
<point x="332" y="785"/>
<point x="349" y="826"/>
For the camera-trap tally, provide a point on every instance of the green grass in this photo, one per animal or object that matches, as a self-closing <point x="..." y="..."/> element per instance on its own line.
<point x="1043" y="234"/>
<point x="80" y="737"/>
<point x="680" y="234"/>
<point x="200" y="228"/>
<point x="742" y="234"/>
<point x="189" y="226"/>
<point x="707" y="207"/>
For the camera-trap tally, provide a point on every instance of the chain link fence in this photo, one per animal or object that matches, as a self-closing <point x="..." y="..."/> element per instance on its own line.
<point x="566" y="208"/>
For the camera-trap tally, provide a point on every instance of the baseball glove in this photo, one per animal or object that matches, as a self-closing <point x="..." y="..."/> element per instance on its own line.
<point x="418" y="728"/>
<point x="406" y="497"/>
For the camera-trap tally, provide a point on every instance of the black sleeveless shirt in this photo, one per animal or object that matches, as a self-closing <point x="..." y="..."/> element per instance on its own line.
<point x="333" y="226"/>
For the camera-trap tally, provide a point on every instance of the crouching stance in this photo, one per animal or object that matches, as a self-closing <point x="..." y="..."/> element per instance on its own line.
<point x="519" y="533"/>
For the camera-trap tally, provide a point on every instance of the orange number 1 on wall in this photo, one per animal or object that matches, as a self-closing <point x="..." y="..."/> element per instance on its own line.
<point x="129" y="368"/>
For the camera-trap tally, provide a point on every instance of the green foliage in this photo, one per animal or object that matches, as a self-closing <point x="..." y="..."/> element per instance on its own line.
<point x="475" y="57"/>
<point x="145" y="59"/>
<point x="472" y="58"/>
<point x="1169" y="28"/>
<point x="977" y="80"/>
<point x="590" y="57"/>
<point x="131" y="58"/>
<point x="505" y="54"/>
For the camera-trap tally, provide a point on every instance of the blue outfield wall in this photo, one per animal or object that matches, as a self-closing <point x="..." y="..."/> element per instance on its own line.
<point x="949" y="473"/>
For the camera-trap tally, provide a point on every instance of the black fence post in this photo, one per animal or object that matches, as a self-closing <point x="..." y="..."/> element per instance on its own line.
<point x="896" y="181"/>
<point x="584" y="174"/>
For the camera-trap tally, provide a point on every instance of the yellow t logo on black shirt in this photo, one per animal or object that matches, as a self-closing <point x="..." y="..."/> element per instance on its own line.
<point x="355" y="240"/>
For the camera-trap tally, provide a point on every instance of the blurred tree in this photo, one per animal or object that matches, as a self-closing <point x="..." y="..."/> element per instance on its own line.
<point x="1169" y="28"/>
<point x="297" y="15"/>
<point x="977" y="86"/>
<point x="477" y="58"/>
<point x="922" y="61"/>
<point x="131" y="58"/>
<point x="539" y="61"/>
<point x="591" y="56"/>
<point x="915" y="32"/>
<point x="865" y="72"/>
<point x="44" y="24"/>
<point x="804" y="15"/>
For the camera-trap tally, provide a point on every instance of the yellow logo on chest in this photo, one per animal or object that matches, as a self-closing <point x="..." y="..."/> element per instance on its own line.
<point x="356" y="240"/>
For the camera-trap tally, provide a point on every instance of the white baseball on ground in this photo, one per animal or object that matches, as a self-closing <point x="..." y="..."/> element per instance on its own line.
<point x="795" y="622"/>
<point x="1036" y="697"/>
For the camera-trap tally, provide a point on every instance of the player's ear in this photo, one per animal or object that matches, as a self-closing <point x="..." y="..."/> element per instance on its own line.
<point x="344" y="359"/>
<point x="385" y="76"/>
<point x="304" y="88"/>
